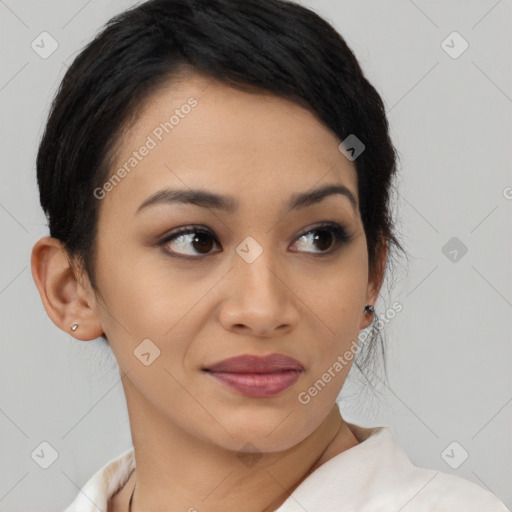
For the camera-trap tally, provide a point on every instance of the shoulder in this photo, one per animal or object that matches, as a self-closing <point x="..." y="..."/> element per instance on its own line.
<point x="98" y="490"/>
<point x="378" y="475"/>
<point x="422" y="489"/>
<point x="419" y="489"/>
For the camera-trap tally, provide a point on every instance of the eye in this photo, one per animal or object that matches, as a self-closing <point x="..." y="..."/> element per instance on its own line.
<point x="189" y="237"/>
<point x="328" y="238"/>
<point x="192" y="242"/>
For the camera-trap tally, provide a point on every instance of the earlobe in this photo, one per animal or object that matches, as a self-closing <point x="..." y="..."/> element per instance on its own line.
<point x="368" y="314"/>
<point x="374" y="286"/>
<point x="65" y="300"/>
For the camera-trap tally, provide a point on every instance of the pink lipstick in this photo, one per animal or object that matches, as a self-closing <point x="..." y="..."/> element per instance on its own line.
<point x="257" y="376"/>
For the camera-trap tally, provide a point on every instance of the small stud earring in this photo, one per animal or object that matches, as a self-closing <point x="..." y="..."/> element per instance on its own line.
<point x="74" y="327"/>
<point x="369" y="309"/>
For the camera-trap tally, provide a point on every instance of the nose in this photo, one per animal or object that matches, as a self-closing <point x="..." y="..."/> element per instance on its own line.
<point x="260" y="300"/>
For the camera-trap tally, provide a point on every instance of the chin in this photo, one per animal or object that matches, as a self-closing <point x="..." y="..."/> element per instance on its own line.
<point x="262" y="432"/>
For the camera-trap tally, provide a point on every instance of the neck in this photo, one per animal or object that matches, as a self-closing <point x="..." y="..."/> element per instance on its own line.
<point x="176" y="470"/>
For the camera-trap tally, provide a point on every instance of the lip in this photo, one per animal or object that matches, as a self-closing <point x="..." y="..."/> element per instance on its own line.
<point x="248" y="363"/>
<point x="257" y="376"/>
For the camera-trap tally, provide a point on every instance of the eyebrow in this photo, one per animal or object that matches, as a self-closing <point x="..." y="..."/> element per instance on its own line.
<point x="206" y="199"/>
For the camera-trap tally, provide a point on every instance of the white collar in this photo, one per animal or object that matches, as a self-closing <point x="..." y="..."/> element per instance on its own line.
<point x="376" y="474"/>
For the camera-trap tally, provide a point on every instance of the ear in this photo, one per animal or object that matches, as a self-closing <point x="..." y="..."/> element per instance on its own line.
<point x="65" y="300"/>
<point x="376" y="279"/>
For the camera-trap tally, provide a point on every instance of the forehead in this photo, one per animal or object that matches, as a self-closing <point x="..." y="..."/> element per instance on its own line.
<point x="198" y="132"/>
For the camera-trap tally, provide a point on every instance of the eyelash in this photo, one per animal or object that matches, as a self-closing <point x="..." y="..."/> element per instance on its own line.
<point x="341" y="237"/>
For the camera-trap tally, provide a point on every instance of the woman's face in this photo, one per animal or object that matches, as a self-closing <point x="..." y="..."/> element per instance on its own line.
<point x="255" y="280"/>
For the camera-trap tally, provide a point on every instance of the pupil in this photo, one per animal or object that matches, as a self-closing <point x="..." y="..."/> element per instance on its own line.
<point x="203" y="241"/>
<point x="322" y="239"/>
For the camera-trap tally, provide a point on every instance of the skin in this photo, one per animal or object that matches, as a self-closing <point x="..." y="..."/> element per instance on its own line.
<point x="295" y="299"/>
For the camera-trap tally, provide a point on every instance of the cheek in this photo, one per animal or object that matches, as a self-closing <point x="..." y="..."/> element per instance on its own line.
<point x="335" y="307"/>
<point x="146" y="295"/>
<point x="327" y="373"/>
<point x="335" y="299"/>
<point x="152" y="312"/>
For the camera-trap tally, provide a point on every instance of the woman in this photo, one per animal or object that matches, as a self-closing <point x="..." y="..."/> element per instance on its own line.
<point x="216" y="175"/>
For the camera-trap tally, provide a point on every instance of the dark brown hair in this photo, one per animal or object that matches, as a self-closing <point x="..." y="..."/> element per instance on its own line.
<point x="275" y="46"/>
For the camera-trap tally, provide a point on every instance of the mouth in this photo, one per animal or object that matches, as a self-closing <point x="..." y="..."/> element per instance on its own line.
<point x="257" y="376"/>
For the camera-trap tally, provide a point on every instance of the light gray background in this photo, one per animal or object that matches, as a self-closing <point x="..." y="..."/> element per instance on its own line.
<point x="449" y="350"/>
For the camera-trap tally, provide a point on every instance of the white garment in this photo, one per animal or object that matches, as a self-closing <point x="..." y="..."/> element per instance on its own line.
<point x="374" y="476"/>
